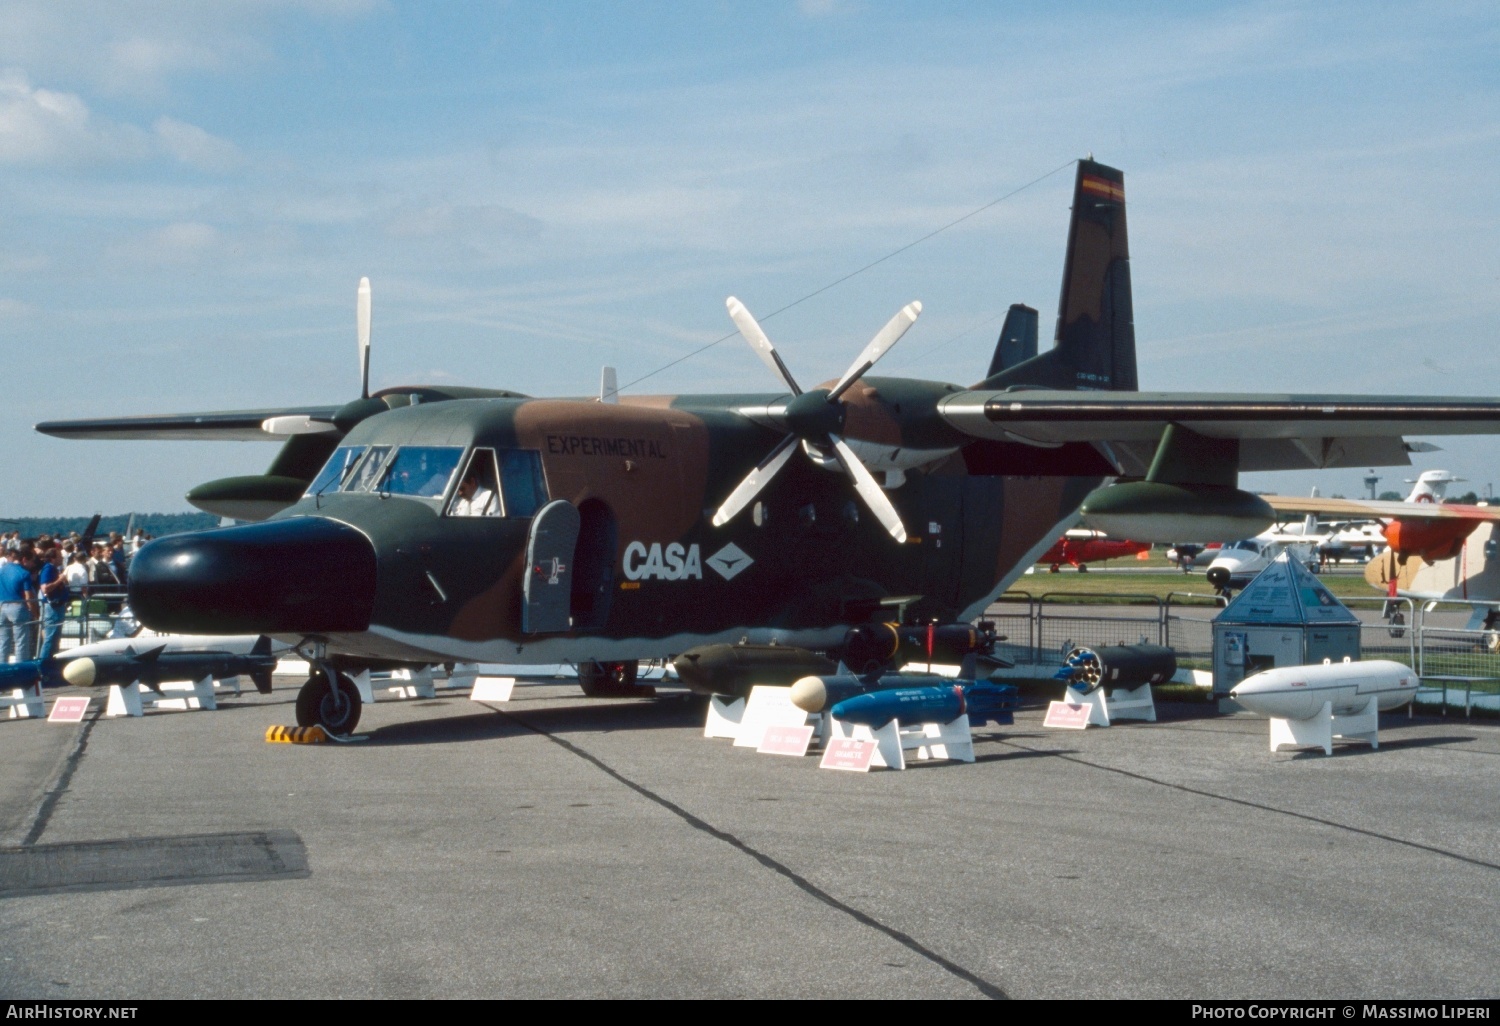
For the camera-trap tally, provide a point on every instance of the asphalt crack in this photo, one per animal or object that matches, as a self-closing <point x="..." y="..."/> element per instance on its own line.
<point x="907" y="941"/>
<point x="1257" y="805"/>
<point x="49" y="801"/>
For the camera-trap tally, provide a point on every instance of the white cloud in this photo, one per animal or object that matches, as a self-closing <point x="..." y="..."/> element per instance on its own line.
<point x="43" y="126"/>
<point x="14" y="309"/>
<point x="179" y="244"/>
<point x="40" y="126"/>
<point x="471" y="222"/>
<point x="195" y="147"/>
<point x="136" y="48"/>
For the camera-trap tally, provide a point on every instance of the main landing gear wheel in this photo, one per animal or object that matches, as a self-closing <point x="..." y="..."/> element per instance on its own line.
<point x="612" y="680"/>
<point x="336" y="710"/>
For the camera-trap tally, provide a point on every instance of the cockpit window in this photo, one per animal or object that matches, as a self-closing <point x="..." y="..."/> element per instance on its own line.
<point x="368" y="472"/>
<point x="476" y="495"/>
<point x="521" y="482"/>
<point x="336" y="469"/>
<point x="504" y="484"/>
<point x="421" y="470"/>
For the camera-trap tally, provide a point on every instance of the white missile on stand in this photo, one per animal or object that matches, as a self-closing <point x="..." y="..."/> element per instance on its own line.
<point x="1311" y="705"/>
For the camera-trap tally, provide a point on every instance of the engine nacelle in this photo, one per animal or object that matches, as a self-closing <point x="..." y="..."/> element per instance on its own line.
<point x="1433" y="540"/>
<point x="1153" y="511"/>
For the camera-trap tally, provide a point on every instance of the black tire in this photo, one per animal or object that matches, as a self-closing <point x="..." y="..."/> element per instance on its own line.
<point x="317" y="705"/>
<point x="611" y="680"/>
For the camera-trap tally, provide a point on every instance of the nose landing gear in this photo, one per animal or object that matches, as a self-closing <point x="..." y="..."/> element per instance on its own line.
<point x="329" y="700"/>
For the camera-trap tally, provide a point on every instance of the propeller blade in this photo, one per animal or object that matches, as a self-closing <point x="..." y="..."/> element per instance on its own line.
<point x="869" y="490"/>
<point x="878" y="347"/>
<point x="758" y="341"/>
<point x="757" y="479"/>
<point x="362" y="325"/>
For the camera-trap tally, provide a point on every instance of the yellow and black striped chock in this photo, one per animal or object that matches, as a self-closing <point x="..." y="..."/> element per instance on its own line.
<point x="314" y="735"/>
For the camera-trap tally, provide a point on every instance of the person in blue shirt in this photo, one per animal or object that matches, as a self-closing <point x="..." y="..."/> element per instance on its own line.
<point x="52" y="586"/>
<point x="18" y="606"/>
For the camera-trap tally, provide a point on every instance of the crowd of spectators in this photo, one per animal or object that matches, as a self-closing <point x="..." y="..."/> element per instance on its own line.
<point x="40" y="577"/>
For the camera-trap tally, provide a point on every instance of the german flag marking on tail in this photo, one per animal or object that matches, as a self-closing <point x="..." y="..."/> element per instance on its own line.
<point x="1103" y="188"/>
<point x="296" y="735"/>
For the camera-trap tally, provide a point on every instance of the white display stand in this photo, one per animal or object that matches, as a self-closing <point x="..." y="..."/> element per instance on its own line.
<point x="492" y="689"/>
<point x="464" y="675"/>
<point x="407" y="683"/>
<point x="134" y="700"/>
<point x="892" y="741"/>
<point x="24" y="703"/>
<point x="1123" y="704"/>
<point x="724" y="716"/>
<point x="767" y="707"/>
<point x="1320" y="730"/>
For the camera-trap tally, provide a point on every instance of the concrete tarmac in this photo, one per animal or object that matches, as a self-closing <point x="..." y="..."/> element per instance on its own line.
<point x="558" y="846"/>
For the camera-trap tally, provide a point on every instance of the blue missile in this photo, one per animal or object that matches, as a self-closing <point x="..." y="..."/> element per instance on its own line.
<point x="817" y="694"/>
<point x="984" y="703"/>
<point x="42" y="669"/>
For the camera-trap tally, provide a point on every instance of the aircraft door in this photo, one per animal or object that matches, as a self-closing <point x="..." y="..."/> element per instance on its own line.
<point x="548" y="590"/>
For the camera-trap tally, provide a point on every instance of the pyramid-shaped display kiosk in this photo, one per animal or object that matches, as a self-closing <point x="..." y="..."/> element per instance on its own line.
<point x="1285" y="617"/>
<point x="1286" y="592"/>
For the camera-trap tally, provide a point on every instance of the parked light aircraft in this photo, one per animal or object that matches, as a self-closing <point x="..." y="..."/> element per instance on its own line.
<point x="434" y="523"/>
<point x="1239" y="562"/>
<point x="1080" y="547"/>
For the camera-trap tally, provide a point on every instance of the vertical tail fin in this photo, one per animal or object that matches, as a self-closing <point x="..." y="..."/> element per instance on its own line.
<point x="1095" y="342"/>
<point x="1017" y="342"/>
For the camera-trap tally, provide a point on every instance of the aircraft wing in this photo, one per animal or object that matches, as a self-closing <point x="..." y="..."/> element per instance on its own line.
<point x="230" y="426"/>
<point x="1374" y="509"/>
<point x="1275" y="432"/>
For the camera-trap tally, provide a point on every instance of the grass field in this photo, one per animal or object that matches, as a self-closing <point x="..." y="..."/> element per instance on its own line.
<point x="1160" y="579"/>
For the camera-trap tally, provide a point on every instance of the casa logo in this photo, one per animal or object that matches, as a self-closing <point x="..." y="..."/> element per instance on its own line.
<point x="675" y="562"/>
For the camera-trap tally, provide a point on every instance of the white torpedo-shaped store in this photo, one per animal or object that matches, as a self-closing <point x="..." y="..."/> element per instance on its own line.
<point x="1311" y="705"/>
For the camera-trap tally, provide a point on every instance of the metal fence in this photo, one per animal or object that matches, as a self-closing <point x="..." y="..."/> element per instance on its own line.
<point x="1037" y="630"/>
<point x="87" y="620"/>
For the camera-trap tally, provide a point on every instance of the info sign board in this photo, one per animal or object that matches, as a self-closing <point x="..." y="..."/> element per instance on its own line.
<point x="69" y="710"/>
<point x="1066" y="717"/>
<point x="845" y="753"/>
<point x="785" y="741"/>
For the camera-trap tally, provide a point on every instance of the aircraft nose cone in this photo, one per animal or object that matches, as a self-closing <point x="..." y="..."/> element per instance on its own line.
<point x="304" y="575"/>
<point x="1218" y="576"/>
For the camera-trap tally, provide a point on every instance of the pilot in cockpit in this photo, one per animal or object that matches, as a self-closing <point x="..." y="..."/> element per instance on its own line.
<point x="475" y="498"/>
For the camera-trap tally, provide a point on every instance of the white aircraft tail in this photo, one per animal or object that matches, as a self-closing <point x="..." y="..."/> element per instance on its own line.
<point x="1431" y="486"/>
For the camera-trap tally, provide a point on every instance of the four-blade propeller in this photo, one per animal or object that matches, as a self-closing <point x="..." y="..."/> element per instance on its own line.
<point x="817" y="418"/>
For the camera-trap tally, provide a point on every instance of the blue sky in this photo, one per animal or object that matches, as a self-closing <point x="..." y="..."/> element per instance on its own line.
<point x="189" y="193"/>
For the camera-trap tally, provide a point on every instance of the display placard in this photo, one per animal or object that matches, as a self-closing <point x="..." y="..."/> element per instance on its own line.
<point x="847" y="754"/>
<point x="69" y="710"/>
<point x="1066" y="717"/>
<point x="785" y="741"/>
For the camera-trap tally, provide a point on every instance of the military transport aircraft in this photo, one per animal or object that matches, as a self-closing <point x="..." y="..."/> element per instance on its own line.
<point x="430" y="524"/>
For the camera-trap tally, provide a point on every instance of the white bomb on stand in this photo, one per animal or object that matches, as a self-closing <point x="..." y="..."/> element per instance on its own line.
<point x="1298" y="692"/>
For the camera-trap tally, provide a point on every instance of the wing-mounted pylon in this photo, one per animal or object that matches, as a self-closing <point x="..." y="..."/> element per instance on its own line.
<point x="816" y="418"/>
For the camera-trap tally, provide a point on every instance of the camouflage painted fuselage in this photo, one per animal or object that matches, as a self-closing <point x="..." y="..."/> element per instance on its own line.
<point x="804" y="565"/>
